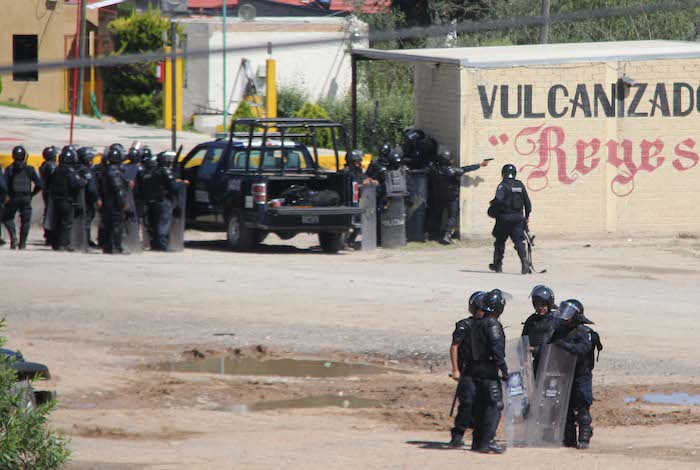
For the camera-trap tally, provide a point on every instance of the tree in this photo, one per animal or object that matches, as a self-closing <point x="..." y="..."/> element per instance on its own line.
<point x="26" y="442"/>
<point x="132" y="92"/>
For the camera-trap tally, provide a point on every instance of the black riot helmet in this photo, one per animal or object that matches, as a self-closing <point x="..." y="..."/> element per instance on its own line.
<point x="120" y="151"/>
<point x="19" y="154"/>
<point x="395" y="159"/>
<point x="353" y="157"/>
<point x="114" y="156"/>
<point x="86" y="155"/>
<point x="50" y="154"/>
<point x="475" y="301"/>
<point x="572" y="310"/>
<point x="384" y="151"/>
<point x="413" y="136"/>
<point x="166" y="159"/>
<point x="149" y="160"/>
<point x="509" y="171"/>
<point x="68" y="157"/>
<point x="493" y="302"/>
<point x="135" y="155"/>
<point x="445" y="158"/>
<point x="146" y="153"/>
<point x="542" y="295"/>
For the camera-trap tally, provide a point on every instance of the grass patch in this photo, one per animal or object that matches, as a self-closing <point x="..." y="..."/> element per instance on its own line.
<point x="12" y="104"/>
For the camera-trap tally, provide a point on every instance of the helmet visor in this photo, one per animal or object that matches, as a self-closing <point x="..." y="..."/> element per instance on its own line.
<point x="567" y="310"/>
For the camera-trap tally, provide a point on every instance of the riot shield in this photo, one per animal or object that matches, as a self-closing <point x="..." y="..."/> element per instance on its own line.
<point x="177" y="225"/>
<point x="551" y="400"/>
<point x="78" y="233"/>
<point x="416" y="205"/>
<point x="368" y="225"/>
<point x="519" y="391"/>
<point x="395" y="182"/>
<point x="48" y="217"/>
<point x="132" y="225"/>
<point x="392" y="223"/>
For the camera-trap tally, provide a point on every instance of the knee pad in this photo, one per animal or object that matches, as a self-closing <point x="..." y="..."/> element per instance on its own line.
<point x="584" y="417"/>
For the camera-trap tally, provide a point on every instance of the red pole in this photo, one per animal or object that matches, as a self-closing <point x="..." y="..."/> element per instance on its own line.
<point x="75" y="74"/>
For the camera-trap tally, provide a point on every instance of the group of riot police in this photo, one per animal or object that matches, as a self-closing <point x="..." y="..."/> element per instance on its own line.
<point x="478" y="360"/>
<point x="135" y="186"/>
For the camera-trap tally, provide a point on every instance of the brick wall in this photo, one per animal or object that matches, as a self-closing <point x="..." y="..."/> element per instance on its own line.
<point x="569" y="163"/>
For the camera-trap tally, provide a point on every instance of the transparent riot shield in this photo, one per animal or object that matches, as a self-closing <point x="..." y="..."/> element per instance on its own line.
<point x="518" y="391"/>
<point x="78" y="233"/>
<point x="177" y="225"/>
<point x="132" y="225"/>
<point x="368" y="225"/>
<point x="551" y="400"/>
<point x="416" y="205"/>
<point x="392" y="223"/>
<point x="48" y="218"/>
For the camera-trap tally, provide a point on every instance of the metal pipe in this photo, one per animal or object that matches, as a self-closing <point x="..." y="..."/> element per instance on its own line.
<point x="223" y="49"/>
<point x="353" y="90"/>
<point x="81" y="77"/>
<point x="173" y="82"/>
<point x="544" y="29"/>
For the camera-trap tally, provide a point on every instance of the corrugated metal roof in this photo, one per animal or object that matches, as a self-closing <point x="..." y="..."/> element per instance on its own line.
<point x="369" y="6"/>
<point x="540" y="54"/>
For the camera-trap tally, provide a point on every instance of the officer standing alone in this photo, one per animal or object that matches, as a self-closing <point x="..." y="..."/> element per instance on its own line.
<point x="511" y="207"/>
<point x="461" y="359"/>
<point x="488" y="369"/>
<point x="572" y="335"/>
<point x="20" y="177"/>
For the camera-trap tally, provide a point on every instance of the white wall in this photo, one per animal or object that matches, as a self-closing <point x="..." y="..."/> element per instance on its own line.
<point x="321" y="70"/>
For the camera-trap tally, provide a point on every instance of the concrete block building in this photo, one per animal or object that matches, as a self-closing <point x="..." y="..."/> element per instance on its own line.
<point x="605" y="135"/>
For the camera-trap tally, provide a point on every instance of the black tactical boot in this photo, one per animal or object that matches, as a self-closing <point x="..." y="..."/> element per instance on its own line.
<point x="497" y="268"/>
<point x="13" y="243"/>
<point x="583" y="445"/>
<point x="525" y="267"/>
<point x="491" y="448"/>
<point x="446" y="239"/>
<point x="585" y="433"/>
<point x="456" y="441"/>
<point x="22" y="242"/>
<point x="570" y="436"/>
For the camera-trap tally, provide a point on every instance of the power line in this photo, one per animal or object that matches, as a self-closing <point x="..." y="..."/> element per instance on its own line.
<point x="464" y="27"/>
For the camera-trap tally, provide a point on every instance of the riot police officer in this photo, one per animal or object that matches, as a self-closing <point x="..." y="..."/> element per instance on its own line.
<point x="353" y="167"/>
<point x="46" y="170"/>
<point x="112" y="187"/>
<point x="572" y="334"/>
<point x="20" y="177"/>
<point x="134" y="166"/>
<point x="511" y="208"/>
<point x="378" y="166"/>
<point x="488" y="362"/>
<point x="3" y="196"/>
<point x="85" y="168"/>
<point x="461" y="358"/>
<point x="65" y="184"/>
<point x="447" y="181"/>
<point x="157" y="188"/>
<point x="540" y="325"/>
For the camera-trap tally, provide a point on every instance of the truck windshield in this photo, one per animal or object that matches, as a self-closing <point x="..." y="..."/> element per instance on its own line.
<point x="294" y="159"/>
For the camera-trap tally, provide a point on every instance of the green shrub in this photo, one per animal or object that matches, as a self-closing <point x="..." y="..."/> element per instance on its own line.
<point x="323" y="136"/>
<point x="26" y="441"/>
<point x="244" y="110"/>
<point x="139" y="109"/>
<point x="290" y="100"/>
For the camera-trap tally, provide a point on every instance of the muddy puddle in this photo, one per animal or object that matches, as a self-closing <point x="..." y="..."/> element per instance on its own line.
<point x="272" y="367"/>
<point x="666" y="399"/>
<point x="321" y="401"/>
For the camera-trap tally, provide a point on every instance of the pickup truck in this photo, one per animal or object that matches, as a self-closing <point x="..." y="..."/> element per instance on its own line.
<point x="266" y="179"/>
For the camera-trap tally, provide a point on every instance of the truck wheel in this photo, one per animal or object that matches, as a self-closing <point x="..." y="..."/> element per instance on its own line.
<point x="239" y="237"/>
<point x="331" y="242"/>
<point x="25" y="391"/>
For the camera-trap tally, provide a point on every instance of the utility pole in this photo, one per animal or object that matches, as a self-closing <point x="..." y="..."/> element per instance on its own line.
<point x="173" y="72"/>
<point x="223" y="3"/>
<point x="544" y="29"/>
<point x="81" y="72"/>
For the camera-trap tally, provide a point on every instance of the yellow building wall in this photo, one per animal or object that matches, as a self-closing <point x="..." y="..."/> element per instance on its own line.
<point x="576" y="180"/>
<point x="51" y="22"/>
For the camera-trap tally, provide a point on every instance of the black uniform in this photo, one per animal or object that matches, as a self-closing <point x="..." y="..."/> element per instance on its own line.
<point x="578" y="340"/>
<point x="466" y="392"/>
<point x="65" y="185"/>
<point x="539" y="329"/>
<point x="446" y="184"/>
<point x="512" y="206"/>
<point x="157" y="186"/>
<point x="46" y="170"/>
<point x="488" y="366"/>
<point x="92" y="195"/>
<point x="20" y="177"/>
<point x="112" y="187"/>
<point x="3" y="195"/>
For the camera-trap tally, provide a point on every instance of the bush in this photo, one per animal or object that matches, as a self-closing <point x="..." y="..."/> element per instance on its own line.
<point x="243" y="111"/>
<point x="323" y="136"/>
<point x="289" y="101"/>
<point x="26" y="442"/>
<point x="139" y="109"/>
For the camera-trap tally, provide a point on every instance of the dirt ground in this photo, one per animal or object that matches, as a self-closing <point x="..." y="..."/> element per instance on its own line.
<point x="104" y="324"/>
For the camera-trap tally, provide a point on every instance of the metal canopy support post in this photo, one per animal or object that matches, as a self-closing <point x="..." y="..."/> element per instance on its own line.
<point x="81" y="77"/>
<point x="353" y="91"/>
<point x="544" y="29"/>
<point x="223" y="49"/>
<point x="173" y="82"/>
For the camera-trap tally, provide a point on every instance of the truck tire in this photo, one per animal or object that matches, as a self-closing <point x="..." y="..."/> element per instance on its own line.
<point x="331" y="242"/>
<point x="25" y="391"/>
<point x="239" y="237"/>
